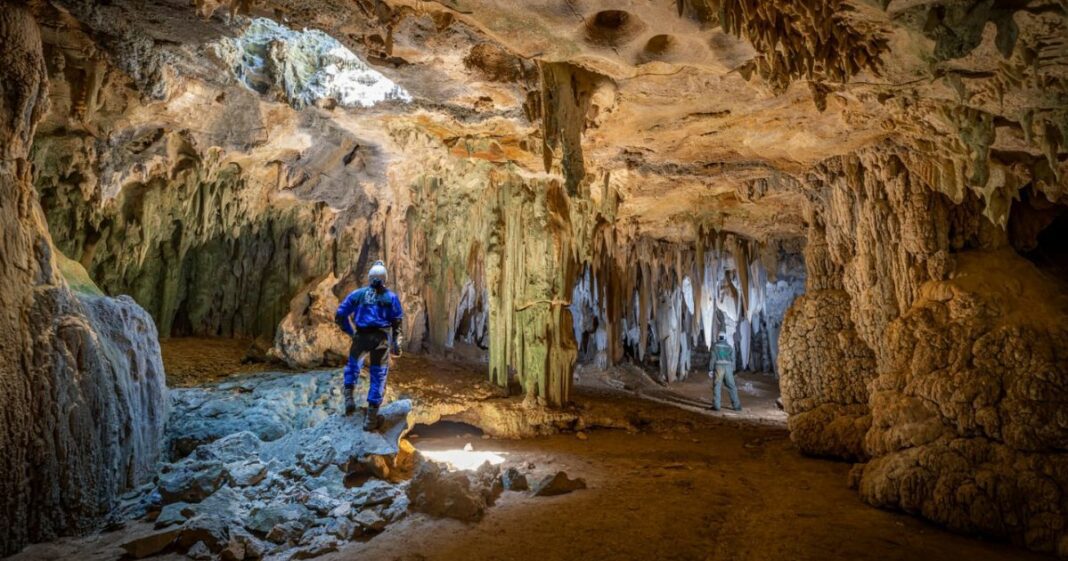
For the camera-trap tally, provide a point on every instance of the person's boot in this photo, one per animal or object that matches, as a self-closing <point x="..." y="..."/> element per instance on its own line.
<point x="371" y="421"/>
<point x="350" y="401"/>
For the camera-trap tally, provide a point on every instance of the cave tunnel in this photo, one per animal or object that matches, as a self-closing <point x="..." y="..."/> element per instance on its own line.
<point x="518" y="280"/>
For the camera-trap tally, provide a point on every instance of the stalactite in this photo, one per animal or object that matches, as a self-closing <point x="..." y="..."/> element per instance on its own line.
<point x="802" y="39"/>
<point x="680" y="297"/>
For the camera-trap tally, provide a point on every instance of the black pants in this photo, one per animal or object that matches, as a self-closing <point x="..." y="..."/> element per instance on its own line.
<point x="375" y="344"/>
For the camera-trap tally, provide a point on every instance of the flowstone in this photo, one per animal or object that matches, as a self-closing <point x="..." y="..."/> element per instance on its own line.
<point x="84" y="395"/>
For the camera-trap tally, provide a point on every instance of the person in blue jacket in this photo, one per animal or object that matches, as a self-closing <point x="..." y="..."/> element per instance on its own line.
<point x="372" y="316"/>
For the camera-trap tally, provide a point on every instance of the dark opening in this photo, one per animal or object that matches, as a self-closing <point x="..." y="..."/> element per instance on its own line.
<point x="445" y="429"/>
<point x="611" y="19"/>
<point x="612" y="27"/>
<point x="660" y="44"/>
<point x="1051" y="253"/>
<point x="1038" y="229"/>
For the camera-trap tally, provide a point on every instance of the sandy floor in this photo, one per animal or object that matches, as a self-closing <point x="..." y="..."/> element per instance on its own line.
<point x="721" y="493"/>
<point x="695" y="486"/>
<point x="189" y="361"/>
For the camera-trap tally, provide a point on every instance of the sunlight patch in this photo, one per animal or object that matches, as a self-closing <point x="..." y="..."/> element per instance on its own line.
<point x="301" y="67"/>
<point x="464" y="459"/>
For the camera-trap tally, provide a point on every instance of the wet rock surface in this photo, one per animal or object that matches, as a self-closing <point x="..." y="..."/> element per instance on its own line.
<point x="558" y="484"/>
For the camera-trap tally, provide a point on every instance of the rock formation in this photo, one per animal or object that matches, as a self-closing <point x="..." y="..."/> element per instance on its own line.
<point x="266" y="475"/>
<point x="84" y="399"/>
<point x="554" y="184"/>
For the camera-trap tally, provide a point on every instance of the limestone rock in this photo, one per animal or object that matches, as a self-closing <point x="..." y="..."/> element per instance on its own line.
<point x="963" y="416"/>
<point x="462" y="495"/>
<point x="199" y="551"/>
<point x="514" y="480"/>
<point x="151" y="544"/>
<point x="825" y="367"/>
<point x="558" y="484"/>
<point x="370" y="521"/>
<point x="245" y="473"/>
<point x="174" y="513"/>
<point x="671" y="157"/>
<point x="191" y="481"/>
<point x="264" y="520"/>
<point x="307" y="336"/>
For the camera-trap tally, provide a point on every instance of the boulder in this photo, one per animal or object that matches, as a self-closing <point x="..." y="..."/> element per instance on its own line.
<point x="242" y="545"/>
<point x="342" y="510"/>
<point x="320" y="503"/>
<point x="150" y="544"/>
<point x="237" y="447"/>
<point x="190" y="481"/>
<point x="307" y="336"/>
<point x="245" y="473"/>
<point x="319" y="546"/>
<point x="514" y="480"/>
<point x="342" y="442"/>
<point x="268" y="406"/>
<point x="375" y="492"/>
<point x="340" y="527"/>
<point x="318" y="457"/>
<point x="462" y="495"/>
<point x="370" y="520"/>
<point x="174" y="513"/>
<point x="286" y="532"/>
<point x="558" y="484"/>
<point x="210" y="530"/>
<point x="263" y="520"/>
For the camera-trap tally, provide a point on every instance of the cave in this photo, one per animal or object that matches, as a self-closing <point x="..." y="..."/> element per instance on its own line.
<point x="704" y="279"/>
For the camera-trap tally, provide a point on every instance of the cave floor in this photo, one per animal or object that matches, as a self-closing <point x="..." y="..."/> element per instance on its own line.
<point x="190" y="361"/>
<point x="727" y="492"/>
<point x="685" y="486"/>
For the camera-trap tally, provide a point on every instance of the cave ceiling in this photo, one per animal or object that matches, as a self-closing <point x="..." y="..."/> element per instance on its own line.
<point x="698" y="112"/>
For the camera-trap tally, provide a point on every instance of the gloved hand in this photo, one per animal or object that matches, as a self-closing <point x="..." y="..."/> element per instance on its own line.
<point x="395" y="350"/>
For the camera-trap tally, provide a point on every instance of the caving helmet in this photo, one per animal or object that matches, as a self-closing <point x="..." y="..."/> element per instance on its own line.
<point x="377" y="275"/>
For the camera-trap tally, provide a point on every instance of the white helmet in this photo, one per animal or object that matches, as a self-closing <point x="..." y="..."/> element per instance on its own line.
<point x="377" y="275"/>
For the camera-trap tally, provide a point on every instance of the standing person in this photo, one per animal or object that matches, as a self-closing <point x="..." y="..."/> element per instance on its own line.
<point x="723" y="353"/>
<point x="377" y="315"/>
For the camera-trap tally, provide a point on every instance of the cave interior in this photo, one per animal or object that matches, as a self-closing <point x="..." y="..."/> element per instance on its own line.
<point x="580" y="205"/>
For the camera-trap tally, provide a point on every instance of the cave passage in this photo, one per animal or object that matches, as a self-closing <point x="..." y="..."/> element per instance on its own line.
<point x="710" y="279"/>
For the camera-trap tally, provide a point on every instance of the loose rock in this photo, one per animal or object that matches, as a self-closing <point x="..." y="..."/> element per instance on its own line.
<point x="558" y="484"/>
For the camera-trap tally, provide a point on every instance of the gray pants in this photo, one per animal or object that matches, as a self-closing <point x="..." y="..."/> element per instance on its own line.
<point x="725" y="375"/>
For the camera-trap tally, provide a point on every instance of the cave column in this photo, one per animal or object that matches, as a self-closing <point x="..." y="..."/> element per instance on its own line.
<point x="530" y="271"/>
<point x="824" y="366"/>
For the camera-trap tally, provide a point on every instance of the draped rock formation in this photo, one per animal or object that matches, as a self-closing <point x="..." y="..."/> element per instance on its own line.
<point x="84" y="397"/>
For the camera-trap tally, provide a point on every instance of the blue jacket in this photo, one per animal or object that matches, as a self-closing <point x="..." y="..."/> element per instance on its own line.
<point x="369" y="308"/>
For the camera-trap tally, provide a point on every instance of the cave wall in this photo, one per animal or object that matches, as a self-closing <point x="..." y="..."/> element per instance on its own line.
<point x="84" y="394"/>
<point x="945" y="372"/>
<point x="198" y="248"/>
